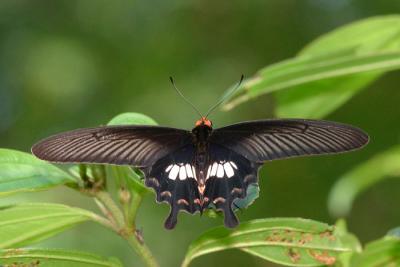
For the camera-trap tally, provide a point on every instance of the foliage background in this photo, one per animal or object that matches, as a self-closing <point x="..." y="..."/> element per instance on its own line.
<point x="71" y="64"/>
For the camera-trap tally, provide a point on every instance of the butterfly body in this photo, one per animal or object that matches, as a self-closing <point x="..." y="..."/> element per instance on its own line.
<point x="199" y="175"/>
<point x="203" y="168"/>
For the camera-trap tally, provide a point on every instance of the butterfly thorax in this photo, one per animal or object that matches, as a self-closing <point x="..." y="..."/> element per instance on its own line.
<point x="201" y="134"/>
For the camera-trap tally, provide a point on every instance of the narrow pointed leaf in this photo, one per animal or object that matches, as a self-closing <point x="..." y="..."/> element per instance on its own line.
<point x="53" y="258"/>
<point x="352" y="183"/>
<point x="287" y="241"/>
<point x="22" y="172"/>
<point x="328" y="71"/>
<point x="24" y="224"/>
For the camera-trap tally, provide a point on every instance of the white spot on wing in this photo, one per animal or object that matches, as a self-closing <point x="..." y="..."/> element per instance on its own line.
<point x="189" y="170"/>
<point x="208" y="172"/>
<point x="214" y="169"/>
<point x="182" y="173"/>
<point x="168" y="168"/>
<point x="228" y="170"/>
<point x="194" y="172"/>
<point x="174" y="172"/>
<point x="220" y="171"/>
<point x="233" y="164"/>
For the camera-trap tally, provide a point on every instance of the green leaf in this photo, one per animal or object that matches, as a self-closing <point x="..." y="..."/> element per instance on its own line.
<point x="329" y="71"/>
<point x="352" y="183"/>
<point x="287" y="241"/>
<point x="350" y="240"/>
<point x="383" y="252"/>
<point x="126" y="177"/>
<point x="132" y="118"/>
<point x="395" y="233"/>
<point x="24" y="224"/>
<point x="53" y="258"/>
<point x="22" y="172"/>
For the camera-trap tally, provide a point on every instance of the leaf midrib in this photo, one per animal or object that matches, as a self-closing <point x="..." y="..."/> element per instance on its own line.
<point x="52" y="216"/>
<point x="74" y="259"/>
<point x="328" y="74"/>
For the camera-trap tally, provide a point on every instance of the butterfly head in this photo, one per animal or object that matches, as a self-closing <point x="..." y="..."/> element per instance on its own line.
<point x="203" y="121"/>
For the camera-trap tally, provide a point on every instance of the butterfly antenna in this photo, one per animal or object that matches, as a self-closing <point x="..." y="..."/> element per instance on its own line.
<point x="222" y="100"/>
<point x="187" y="100"/>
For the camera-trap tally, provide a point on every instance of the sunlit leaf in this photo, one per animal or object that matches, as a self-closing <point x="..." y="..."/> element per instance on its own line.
<point x="383" y="252"/>
<point x="22" y="172"/>
<point x="24" y="224"/>
<point x="53" y="258"/>
<point x="352" y="183"/>
<point x="287" y="241"/>
<point x="132" y="118"/>
<point x="328" y="71"/>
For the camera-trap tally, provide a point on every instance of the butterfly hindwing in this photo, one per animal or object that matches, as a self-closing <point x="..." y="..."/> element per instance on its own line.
<point x="228" y="176"/>
<point x="176" y="181"/>
<point x="173" y="178"/>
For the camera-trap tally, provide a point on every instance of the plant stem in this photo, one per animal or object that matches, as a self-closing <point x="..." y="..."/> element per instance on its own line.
<point x="105" y="198"/>
<point x="134" y="206"/>
<point x="124" y="226"/>
<point x="103" y="221"/>
<point x="142" y="250"/>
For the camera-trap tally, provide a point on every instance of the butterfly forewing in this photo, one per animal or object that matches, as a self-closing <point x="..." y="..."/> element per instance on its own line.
<point x="277" y="139"/>
<point x="138" y="146"/>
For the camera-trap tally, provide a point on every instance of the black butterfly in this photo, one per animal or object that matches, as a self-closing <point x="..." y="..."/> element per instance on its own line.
<point x="192" y="169"/>
<point x="206" y="167"/>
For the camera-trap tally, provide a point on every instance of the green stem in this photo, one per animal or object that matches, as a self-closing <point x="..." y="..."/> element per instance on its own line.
<point x="134" y="206"/>
<point x="109" y="204"/>
<point x="103" y="221"/>
<point x="123" y="228"/>
<point x="142" y="250"/>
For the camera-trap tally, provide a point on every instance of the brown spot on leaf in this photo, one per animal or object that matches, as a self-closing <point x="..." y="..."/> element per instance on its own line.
<point x="328" y="234"/>
<point x="12" y="252"/>
<point x="34" y="263"/>
<point x="294" y="255"/>
<point x="323" y="257"/>
<point x="307" y="238"/>
<point x="275" y="236"/>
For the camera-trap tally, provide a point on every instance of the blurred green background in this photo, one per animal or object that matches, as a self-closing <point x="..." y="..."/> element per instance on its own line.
<point x="71" y="64"/>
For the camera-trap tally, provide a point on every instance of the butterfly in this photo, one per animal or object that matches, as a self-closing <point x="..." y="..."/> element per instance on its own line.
<point x="205" y="167"/>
